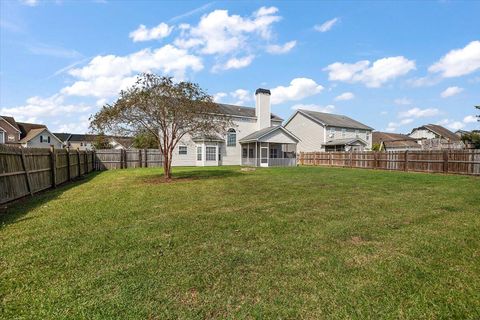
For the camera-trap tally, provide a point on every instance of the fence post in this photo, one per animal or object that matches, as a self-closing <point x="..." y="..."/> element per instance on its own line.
<point x="53" y="163"/>
<point x="445" y="161"/>
<point x="68" y="166"/>
<point x="27" y="174"/>
<point x="78" y="162"/>
<point x="85" y="162"/>
<point x="140" y="158"/>
<point x="374" y="160"/>
<point x="125" y="158"/>
<point x="146" y="157"/>
<point x="351" y="158"/>
<point x="406" y="161"/>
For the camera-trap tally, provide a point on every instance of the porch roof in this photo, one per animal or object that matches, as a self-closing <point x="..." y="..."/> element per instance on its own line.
<point x="258" y="136"/>
<point x="345" y="142"/>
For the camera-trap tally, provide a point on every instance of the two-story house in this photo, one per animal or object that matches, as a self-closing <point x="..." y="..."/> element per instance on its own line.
<point x="436" y="137"/>
<point x="320" y="131"/>
<point x="256" y="138"/>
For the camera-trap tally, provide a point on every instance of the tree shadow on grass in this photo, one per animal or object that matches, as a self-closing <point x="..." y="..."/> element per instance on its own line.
<point x="190" y="175"/>
<point x="15" y="211"/>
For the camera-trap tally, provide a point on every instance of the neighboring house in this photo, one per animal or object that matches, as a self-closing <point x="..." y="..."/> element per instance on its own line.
<point x="10" y="133"/>
<point x="256" y="138"/>
<point x="320" y="131"/>
<point x="37" y="136"/>
<point x="24" y="134"/>
<point x="63" y="137"/>
<point x="81" y="141"/>
<point x="120" y="142"/>
<point x="435" y="137"/>
<point x="460" y="133"/>
<point x="394" y="141"/>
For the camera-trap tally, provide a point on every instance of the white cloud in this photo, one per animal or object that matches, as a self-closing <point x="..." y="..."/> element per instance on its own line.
<point x="38" y="108"/>
<point x="105" y="76"/>
<point x="345" y="96"/>
<point x="403" y="101"/>
<point x="315" y="107"/>
<point x="458" y="62"/>
<point x="470" y="119"/>
<point x="242" y="96"/>
<point x="280" y="49"/>
<point x="427" y="81"/>
<point x="324" y="27"/>
<point x="218" y="32"/>
<point x="393" y="126"/>
<point x="453" y="125"/>
<point x="218" y="97"/>
<point x="372" y="75"/>
<point x="142" y="33"/>
<point x="419" y="113"/>
<point x="451" y="91"/>
<point x="234" y="63"/>
<point x="30" y="3"/>
<point x="52" y="51"/>
<point x="298" y="89"/>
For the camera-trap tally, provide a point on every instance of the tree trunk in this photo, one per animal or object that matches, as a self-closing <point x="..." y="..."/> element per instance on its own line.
<point x="167" y="165"/>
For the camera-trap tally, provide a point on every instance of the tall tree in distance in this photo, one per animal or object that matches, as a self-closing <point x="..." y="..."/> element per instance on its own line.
<point x="165" y="109"/>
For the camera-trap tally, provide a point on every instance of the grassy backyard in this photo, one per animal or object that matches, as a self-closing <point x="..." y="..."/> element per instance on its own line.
<point x="220" y="243"/>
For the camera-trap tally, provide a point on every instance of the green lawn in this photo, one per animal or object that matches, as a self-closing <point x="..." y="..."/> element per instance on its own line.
<point x="302" y="242"/>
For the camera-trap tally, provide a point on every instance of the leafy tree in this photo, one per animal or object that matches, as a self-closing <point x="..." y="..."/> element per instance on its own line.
<point x="102" y="142"/>
<point x="165" y="109"/>
<point x="145" y="140"/>
<point x="376" y="147"/>
<point x="472" y="138"/>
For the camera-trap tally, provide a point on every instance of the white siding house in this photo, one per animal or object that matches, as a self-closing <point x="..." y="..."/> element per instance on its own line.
<point x="320" y="131"/>
<point x="268" y="142"/>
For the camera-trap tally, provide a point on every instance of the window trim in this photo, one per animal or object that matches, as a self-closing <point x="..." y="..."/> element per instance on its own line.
<point x="231" y="133"/>
<point x="199" y="153"/>
<point x="2" y="140"/>
<point x="182" y="150"/>
<point x="209" y="156"/>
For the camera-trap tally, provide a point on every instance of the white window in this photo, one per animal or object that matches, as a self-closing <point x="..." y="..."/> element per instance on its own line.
<point x="210" y="153"/>
<point x="367" y="136"/>
<point x="199" y="153"/>
<point x="182" y="149"/>
<point x="332" y="131"/>
<point x="344" y="131"/>
<point x="2" y="137"/>
<point x="231" y="138"/>
<point x="356" y="134"/>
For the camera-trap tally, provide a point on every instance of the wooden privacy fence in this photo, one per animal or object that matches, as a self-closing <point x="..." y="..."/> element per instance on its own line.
<point x="25" y="171"/>
<point x="447" y="161"/>
<point x="107" y="159"/>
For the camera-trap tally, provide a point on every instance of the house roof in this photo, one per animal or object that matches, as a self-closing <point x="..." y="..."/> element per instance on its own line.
<point x="394" y="140"/>
<point x="257" y="135"/>
<point x="239" y="111"/>
<point x="441" y="131"/>
<point x="379" y="137"/>
<point x="11" y="121"/>
<point x="333" y="120"/>
<point x="344" y="142"/>
<point x="62" y="136"/>
<point x="74" y="137"/>
<point x="25" y="128"/>
<point x="32" y="134"/>
<point x="124" y="141"/>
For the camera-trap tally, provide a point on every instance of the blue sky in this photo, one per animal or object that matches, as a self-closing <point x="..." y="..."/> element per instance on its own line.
<point x="390" y="65"/>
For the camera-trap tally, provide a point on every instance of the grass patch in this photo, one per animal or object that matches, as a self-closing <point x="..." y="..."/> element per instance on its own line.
<point x="221" y="243"/>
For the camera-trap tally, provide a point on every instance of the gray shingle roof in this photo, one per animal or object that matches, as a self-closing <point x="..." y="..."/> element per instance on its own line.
<point x="334" y="120"/>
<point x="344" y="142"/>
<point x="62" y="136"/>
<point x="255" y="136"/>
<point x="230" y="109"/>
<point x="441" y="131"/>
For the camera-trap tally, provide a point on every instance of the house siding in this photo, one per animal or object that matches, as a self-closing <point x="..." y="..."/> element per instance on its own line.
<point x="423" y="134"/>
<point x="365" y="135"/>
<point x="35" y="142"/>
<point x="310" y="133"/>
<point x="11" y="135"/>
<point x="230" y="155"/>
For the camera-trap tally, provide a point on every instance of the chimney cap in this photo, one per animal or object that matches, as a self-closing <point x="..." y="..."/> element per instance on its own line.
<point x="261" y="90"/>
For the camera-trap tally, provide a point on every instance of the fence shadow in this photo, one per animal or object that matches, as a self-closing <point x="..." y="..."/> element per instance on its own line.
<point x="15" y="211"/>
